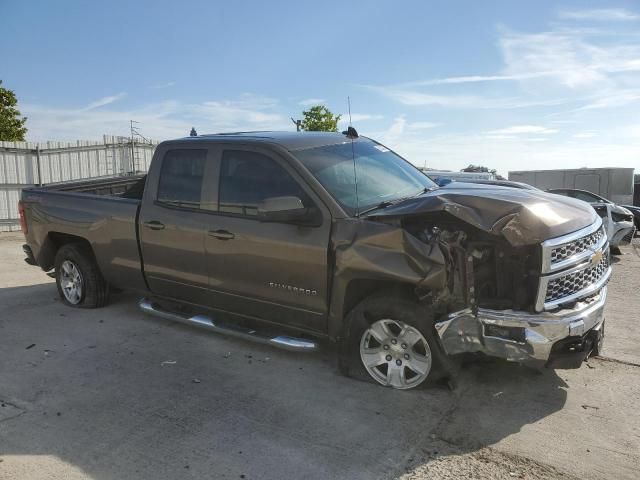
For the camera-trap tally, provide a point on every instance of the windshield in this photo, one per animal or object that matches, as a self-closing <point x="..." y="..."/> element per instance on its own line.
<point x="382" y="175"/>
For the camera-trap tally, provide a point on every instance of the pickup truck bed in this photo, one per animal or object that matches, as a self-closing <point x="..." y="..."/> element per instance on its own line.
<point x="103" y="211"/>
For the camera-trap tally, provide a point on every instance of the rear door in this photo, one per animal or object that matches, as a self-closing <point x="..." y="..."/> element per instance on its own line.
<point x="173" y="223"/>
<point x="273" y="271"/>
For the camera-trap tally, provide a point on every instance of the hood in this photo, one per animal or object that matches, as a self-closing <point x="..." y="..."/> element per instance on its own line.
<point x="523" y="217"/>
<point x="621" y="210"/>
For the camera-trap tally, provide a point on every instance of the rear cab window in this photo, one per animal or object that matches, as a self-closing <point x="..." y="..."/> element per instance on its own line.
<point x="181" y="178"/>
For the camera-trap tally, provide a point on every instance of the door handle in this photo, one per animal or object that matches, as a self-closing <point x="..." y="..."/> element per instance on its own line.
<point x="154" y="225"/>
<point x="221" y="234"/>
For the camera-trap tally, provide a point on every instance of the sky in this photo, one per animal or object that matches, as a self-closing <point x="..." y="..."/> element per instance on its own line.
<point x="512" y="85"/>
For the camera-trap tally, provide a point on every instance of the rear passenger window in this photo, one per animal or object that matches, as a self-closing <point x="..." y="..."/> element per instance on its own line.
<point x="248" y="178"/>
<point x="181" y="178"/>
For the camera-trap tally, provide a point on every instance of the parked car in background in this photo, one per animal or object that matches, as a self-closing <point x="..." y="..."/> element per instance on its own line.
<point x="444" y="177"/>
<point x="635" y="210"/>
<point x="618" y="221"/>
<point x="497" y="183"/>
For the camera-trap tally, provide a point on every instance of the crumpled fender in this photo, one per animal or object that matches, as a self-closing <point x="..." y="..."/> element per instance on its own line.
<point x="379" y="251"/>
<point x="522" y="217"/>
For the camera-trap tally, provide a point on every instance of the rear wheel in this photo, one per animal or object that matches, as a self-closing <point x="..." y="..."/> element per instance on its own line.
<point x="391" y="340"/>
<point x="78" y="278"/>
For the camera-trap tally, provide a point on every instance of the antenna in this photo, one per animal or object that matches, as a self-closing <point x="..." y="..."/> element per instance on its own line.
<point x="351" y="135"/>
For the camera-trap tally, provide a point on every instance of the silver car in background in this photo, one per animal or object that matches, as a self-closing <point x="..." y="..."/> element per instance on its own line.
<point x="618" y="221"/>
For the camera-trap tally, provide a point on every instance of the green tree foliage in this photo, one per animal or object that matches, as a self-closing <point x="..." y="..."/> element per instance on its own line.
<point x="320" y="119"/>
<point x="12" y="127"/>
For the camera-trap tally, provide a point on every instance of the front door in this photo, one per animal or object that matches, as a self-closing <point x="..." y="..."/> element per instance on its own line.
<point x="273" y="271"/>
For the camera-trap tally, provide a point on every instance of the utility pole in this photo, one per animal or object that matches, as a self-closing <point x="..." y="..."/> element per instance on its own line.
<point x="297" y="123"/>
<point x="135" y="132"/>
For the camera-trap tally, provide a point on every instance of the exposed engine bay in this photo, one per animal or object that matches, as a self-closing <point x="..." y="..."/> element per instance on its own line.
<point x="483" y="270"/>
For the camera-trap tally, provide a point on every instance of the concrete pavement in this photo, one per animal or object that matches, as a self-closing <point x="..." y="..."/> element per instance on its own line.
<point x="111" y="394"/>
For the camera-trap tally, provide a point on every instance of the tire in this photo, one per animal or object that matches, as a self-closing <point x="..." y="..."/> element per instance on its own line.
<point x="78" y="278"/>
<point x="399" y="315"/>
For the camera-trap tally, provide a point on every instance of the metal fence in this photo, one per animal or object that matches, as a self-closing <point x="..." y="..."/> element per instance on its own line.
<point x="25" y="164"/>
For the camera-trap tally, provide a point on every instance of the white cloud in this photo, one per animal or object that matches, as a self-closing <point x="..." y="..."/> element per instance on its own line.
<point x="357" y="118"/>
<point x="613" y="99"/>
<point x="523" y="129"/>
<point x="163" y="85"/>
<point x="599" y="14"/>
<point x="311" y="101"/>
<point x="101" y="102"/>
<point x="417" y="99"/>
<point x="470" y="79"/>
<point x="169" y="119"/>
<point x="455" y="151"/>
<point x="587" y="134"/>
<point x="422" y="125"/>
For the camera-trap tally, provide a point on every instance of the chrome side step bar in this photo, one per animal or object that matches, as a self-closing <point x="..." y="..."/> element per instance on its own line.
<point x="208" y="323"/>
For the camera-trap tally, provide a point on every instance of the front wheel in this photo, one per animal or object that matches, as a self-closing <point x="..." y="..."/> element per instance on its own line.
<point x="391" y="340"/>
<point x="78" y="278"/>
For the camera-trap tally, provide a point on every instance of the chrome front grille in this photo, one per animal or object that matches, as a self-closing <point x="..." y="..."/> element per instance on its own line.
<point x="574" y="267"/>
<point x="576" y="247"/>
<point x="568" y="285"/>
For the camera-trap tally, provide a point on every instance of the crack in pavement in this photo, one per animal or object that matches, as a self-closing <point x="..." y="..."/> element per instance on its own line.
<point x="9" y="416"/>
<point x="615" y="360"/>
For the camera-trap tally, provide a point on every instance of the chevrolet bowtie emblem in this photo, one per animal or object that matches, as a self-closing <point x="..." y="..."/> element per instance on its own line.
<point x="596" y="258"/>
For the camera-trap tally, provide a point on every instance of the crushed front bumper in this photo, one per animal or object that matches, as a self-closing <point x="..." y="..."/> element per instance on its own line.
<point x="623" y="235"/>
<point x="521" y="336"/>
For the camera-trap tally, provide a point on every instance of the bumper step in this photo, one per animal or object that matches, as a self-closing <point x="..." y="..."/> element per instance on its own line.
<point x="280" y="341"/>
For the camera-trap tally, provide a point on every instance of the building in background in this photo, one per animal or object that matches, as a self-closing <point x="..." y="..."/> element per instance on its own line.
<point x="615" y="184"/>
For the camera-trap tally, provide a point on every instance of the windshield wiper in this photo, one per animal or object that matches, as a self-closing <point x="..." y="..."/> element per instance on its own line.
<point x="379" y="206"/>
<point x="425" y="190"/>
<point x="388" y="203"/>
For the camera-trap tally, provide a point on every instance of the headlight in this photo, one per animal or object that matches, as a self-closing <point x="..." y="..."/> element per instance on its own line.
<point x="621" y="217"/>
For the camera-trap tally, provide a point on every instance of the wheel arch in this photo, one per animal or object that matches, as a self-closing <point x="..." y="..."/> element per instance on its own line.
<point x="356" y="291"/>
<point x="53" y="242"/>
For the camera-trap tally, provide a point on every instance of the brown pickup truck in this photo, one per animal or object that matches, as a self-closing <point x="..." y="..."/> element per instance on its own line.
<point x="292" y="239"/>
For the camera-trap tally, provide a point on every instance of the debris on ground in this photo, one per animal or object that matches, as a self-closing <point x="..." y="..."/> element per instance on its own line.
<point x="590" y="406"/>
<point x="168" y="362"/>
<point x="449" y="462"/>
<point x="196" y="380"/>
<point x="227" y="355"/>
<point x="30" y="346"/>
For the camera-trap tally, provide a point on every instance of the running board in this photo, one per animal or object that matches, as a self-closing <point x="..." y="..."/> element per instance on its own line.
<point x="208" y="323"/>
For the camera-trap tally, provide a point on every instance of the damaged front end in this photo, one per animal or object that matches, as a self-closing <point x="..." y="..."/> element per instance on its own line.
<point x="498" y="270"/>
<point x="564" y="320"/>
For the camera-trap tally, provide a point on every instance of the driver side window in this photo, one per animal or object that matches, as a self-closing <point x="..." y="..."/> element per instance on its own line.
<point x="248" y="178"/>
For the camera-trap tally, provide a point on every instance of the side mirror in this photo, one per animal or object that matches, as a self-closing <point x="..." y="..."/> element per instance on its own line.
<point x="285" y="210"/>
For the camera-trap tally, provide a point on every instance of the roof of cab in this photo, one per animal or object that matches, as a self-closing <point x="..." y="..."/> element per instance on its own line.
<point x="289" y="140"/>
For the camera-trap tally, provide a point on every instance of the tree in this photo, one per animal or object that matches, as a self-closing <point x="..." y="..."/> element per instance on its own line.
<point x="12" y="127"/>
<point x="320" y="119"/>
